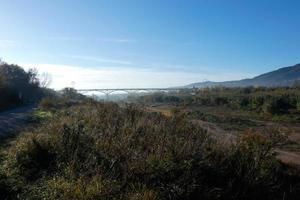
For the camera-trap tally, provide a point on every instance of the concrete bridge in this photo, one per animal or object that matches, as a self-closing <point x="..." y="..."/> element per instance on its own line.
<point x="108" y="91"/>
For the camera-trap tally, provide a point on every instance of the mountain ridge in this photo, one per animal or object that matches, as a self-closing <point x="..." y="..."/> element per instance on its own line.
<point x="285" y="76"/>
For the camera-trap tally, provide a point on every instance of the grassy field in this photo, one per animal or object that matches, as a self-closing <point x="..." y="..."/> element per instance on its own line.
<point x="96" y="150"/>
<point x="235" y="111"/>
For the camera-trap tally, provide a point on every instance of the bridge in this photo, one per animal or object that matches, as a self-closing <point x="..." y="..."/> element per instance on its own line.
<point x="108" y="91"/>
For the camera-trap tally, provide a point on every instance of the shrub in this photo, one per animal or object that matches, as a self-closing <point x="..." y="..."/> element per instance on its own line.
<point x="48" y="103"/>
<point x="31" y="157"/>
<point x="280" y="105"/>
<point x="102" y="151"/>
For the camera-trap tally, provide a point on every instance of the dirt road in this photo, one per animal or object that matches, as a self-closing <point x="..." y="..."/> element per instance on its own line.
<point x="14" y="120"/>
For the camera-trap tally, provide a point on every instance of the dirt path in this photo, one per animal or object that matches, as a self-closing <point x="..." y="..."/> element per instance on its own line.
<point x="14" y="120"/>
<point x="289" y="157"/>
<point x="293" y="130"/>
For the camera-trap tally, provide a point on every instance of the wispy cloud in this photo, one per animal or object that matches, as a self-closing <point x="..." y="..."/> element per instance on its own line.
<point x="101" y="60"/>
<point x="8" y="43"/>
<point x="170" y="42"/>
<point x="79" y="39"/>
<point x="140" y="65"/>
<point x="65" y="38"/>
<point x="117" y="40"/>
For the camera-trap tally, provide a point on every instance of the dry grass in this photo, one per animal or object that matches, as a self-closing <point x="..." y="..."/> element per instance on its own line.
<point x="102" y="151"/>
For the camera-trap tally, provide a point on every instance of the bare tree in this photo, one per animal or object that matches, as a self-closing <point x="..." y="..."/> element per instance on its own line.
<point x="1" y="61"/>
<point x="45" y="79"/>
<point x="33" y="76"/>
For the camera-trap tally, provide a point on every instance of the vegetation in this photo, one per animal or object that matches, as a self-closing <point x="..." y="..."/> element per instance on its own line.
<point x="83" y="149"/>
<point x="260" y="102"/>
<point x="102" y="151"/>
<point x="18" y="86"/>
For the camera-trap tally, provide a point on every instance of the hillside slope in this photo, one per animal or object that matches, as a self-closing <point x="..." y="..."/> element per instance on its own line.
<point x="282" y="77"/>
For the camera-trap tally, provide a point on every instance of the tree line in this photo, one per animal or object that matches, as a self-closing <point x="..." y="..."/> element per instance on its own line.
<point x="275" y="101"/>
<point x="18" y="86"/>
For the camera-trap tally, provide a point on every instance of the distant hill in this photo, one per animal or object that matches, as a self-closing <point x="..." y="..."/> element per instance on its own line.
<point x="285" y="76"/>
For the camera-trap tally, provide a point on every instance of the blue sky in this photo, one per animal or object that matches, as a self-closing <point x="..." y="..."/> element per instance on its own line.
<point x="149" y="43"/>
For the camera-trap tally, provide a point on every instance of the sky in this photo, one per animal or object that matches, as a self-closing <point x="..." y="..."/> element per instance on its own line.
<point x="149" y="43"/>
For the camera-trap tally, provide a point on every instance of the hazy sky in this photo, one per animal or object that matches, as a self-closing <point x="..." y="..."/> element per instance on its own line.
<point x="149" y="43"/>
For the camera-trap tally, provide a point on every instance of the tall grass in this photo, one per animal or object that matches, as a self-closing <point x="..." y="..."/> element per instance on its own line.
<point x="102" y="151"/>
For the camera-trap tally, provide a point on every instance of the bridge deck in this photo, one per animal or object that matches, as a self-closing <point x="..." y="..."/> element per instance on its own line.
<point x="130" y="89"/>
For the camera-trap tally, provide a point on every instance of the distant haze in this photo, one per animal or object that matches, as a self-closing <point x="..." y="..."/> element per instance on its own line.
<point x="84" y="78"/>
